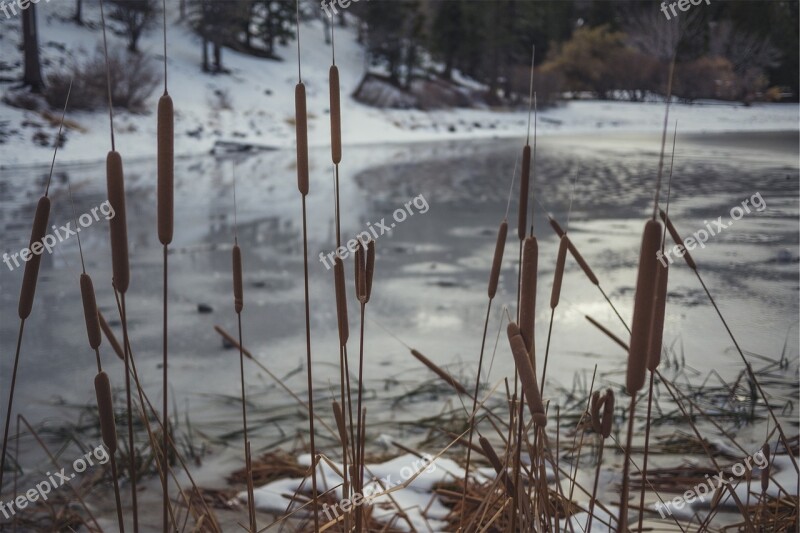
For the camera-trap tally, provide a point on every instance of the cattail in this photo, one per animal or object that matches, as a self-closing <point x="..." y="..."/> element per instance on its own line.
<point x="166" y="170"/>
<point x="341" y="300"/>
<point x="594" y="411"/>
<point x="497" y="261"/>
<point x="561" y="260"/>
<point x="31" y="274"/>
<point x="526" y="375"/>
<point x="301" y="130"/>
<point x="556" y="226"/>
<point x="338" y="415"/>
<point x="361" y="274"/>
<point x="238" y="292"/>
<point x="118" y="225"/>
<point x="643" y="307"/>
<point x="527" y="303"/>
<point x="524" y="182"/>
<point x="112" y="339"/>
<point x="105" y="406"/>
<point x="336" y="116"/>
<point x="494" y="460"/>
<point x="582" y="263"/>
<point x="766" y="470"/>
<point x="608" y="332"/>
<point x="90" y="311"/>
<point x="678" y="240"/>
<point x="369" y="269"/>
<point x="608" y="414"/>
<point x="659" y="312"/>
<point x="440" y="372"/>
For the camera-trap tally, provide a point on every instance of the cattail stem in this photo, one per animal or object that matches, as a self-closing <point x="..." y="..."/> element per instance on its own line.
<point x="11" y="400"/>
<point x="623" y="505"/>
<point x="360" y="430"/>
<point x="129" y="406"/>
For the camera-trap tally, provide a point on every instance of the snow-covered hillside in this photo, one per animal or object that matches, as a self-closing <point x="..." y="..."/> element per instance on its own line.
<point x="255" y="102"/>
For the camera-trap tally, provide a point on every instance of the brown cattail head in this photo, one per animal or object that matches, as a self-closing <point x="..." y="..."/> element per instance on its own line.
<point x="524" y="183"/>
<point x="112" y="339"/>
<point x="301" y="131"/>
<point x="238" y="291"/>
<point x="678" y="240"/>
<point x="497" y="261"/>
<point x="105" y="406"/>
<point x="336" y="116"/>
<point x="338" y="415"/>
<point x="608" y="414"/>
<point x="341" y="300"/>
<point x="643" y="307"/>
<point x="561" y="261"/>
<point x="766" y="470"/>
<point x="526" y="375"/>
<point x="594" y="411"/>
<point x="369" y="268"/>
<point x="436" y="369"/>
<point x="556" y="226"/>
<point x="90" y="311"/>
<point x="31" y="274"/>
<point x="527" y="298"/>
<point x="582" y="262"/>
<point x="497" y="465"/>
<point x="118" y="225"/>
<point x="361" y="274"/>
<point x="659" y="312"/>
<point x="166" y="168"/>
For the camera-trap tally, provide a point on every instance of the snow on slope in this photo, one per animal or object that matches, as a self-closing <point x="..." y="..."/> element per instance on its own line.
<point x="261" y="94"/>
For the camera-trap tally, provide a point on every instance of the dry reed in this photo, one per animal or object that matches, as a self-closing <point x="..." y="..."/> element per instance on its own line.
<point x="341" y="301"/>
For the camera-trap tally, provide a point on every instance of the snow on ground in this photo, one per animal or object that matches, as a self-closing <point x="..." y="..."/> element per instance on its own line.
<point x="255" y="102"/>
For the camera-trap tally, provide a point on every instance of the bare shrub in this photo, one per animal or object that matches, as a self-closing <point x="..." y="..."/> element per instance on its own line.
<point x="133" y="79"/>
<point x="706" y="77"/>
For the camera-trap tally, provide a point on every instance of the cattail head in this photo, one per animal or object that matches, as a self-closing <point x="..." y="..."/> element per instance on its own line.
<point x="336" y="116"/>
<point x="526" y="375"/>
<point x="561" y="261"/>
<point x="31" y="274"/>
<point x="166" y="169"/>
<point x="659" y="313"/>
<point x="90" y="311"/>
<point x="338" y="415"/>
<point x="105" y="406"/>
<point x="594" y="410"/>
<point x="527" y="298"/>
<point x="582" y="262"/>
<point x="608" y="414"/>
<point x="766" y="470"/>
<point x="341" y="300"/>
<point x="497" y="261"/>
<point x="361" y="274"/>
<point x="369" y="269"/>
<point x="556" y="226"/>
<point x="677" y="239"/>
<point x="524" y="183"/>
<point x="439" y="371"/>
<point x="118" y="225"/>
<point x="238" y="291"/>
<point x="112" y="339"/>
<point x="643" y="307"/>
<point x="301" y="131"/>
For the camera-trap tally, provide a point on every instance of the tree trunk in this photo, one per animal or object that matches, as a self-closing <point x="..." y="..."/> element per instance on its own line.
<point x="217" y="57"/>
<point x="78" y="18"/>
<point x="32" y="76"/>
<point x="205" y="55"/>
